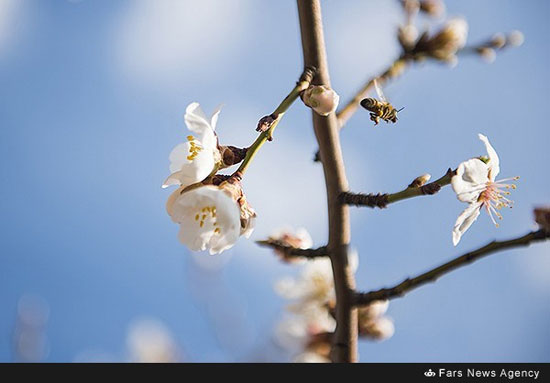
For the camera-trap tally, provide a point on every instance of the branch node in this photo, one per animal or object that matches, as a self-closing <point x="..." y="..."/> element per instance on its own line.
<point x="371" y="200"/>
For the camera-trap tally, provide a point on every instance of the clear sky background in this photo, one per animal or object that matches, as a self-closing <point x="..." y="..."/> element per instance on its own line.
<point x="92" y="100"/>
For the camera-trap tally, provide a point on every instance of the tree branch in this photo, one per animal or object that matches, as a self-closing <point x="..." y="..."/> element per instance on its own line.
<point x="294" y="251"/>
<point x="432" y="275"/>
<point x="382" y="200"/>
<point x="344" y="347"/>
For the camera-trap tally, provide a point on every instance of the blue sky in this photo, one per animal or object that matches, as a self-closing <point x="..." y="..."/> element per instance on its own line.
<point x="93" y="94"/>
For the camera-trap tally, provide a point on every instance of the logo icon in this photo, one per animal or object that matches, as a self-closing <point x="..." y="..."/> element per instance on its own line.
<point x="429" y="373"/>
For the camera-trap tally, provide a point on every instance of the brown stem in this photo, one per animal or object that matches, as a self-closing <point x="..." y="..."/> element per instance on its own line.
<point x="344" y="347"/>
<point x="430" y="276"/>
<point x="294" y="251"/>
<point x="382" y="200"/>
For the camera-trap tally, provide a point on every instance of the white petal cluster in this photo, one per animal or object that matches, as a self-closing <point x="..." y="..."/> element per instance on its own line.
<point x="198" y="157"/>
<point x="474" y="183"/>
<point x="312" y="295"/>
<point x="211" y="217"/>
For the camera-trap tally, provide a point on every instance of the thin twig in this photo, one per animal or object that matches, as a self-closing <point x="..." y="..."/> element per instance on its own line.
<point x="382" y="200"/>
<point x="344" y="346"/>
<point x="430" y="276"/>
<point x="293" y="251"/>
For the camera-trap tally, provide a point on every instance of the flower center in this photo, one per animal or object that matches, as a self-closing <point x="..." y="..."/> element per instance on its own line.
<point x="194" y="149"/>
<point x="207" y="215"/>
<point x="494" y="198"/>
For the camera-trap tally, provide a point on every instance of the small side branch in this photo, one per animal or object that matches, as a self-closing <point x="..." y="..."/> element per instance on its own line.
<point x="293" y="251"/>
<point x="382" y="200"/>
<point x="432" y="275"/>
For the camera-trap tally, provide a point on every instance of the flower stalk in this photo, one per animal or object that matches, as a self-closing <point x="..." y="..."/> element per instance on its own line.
<point x="294" y="251"/>
<point x="267" y="124"/>
<point x="382" y="200"/>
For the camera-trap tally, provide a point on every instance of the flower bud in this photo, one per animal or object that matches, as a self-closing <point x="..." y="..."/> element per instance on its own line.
<point x="373" y="311"/>
<point x="542" y="217"/>
<point x="515" y="38"/>
<point x="420" y="181"/>
<point x="444" y="45"/>
<point x="498" y="41"/>
<point x="231" y="155"/>
<point x="487" y="54"/>
<point x="299" y="239"/>
<point x="323" y="100"/>
<point x="407" y="36"/>
<point x="433" y="8"/>
<point x="379" y="329"/>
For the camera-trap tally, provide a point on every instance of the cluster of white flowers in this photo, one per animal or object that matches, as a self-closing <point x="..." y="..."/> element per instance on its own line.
<point x="308" y="330"/>
<point x="475" y="184"/>
<point x="212" y="214"/>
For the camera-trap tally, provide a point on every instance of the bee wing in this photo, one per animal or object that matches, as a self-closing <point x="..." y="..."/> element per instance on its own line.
<point x="379" y="91"/>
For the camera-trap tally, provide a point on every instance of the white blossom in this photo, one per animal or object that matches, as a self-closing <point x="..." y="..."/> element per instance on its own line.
<point x="199" y="157"/>
<point x="474" y="183"/>
<point x="210" y="217"/>
<point x="313" y="290"/>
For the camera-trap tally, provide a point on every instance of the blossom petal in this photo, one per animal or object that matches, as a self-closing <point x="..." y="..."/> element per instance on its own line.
<point x="195" y="118"/>
<point x="494" y="162"/>
<point x="465" y="220"/>
<point x="188" y="171"/>
<point x="470" y="177"/>
<point x="198" y="123"/>
<point x="188" y="207"/>
<point x="214" y="118"/>
<point x="173" y="179"/>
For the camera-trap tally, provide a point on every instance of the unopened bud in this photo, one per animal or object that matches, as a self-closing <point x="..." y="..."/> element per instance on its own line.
<point x="407" y="36"/>
<point x="420" y="180"/>
<point x="379" y="329"/>
<point x="487" y="54"/>
<point x="445" y="44"/>
<point x="373" y="311"/>
<point x="498" y="41"/>
<point x="265" y="123"/>
<point x="323" y="100"/>
<point x="515" y="38"/>
<point x="232" y="155"/>
<point x="542" y="217"/>
<point x="434" y="8"/>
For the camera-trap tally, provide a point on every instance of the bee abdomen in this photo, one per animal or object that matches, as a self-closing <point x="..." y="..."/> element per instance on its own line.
<point x="369" y="103"/>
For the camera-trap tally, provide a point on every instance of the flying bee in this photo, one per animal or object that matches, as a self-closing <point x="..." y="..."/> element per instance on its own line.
<point x="380" y="109"/>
